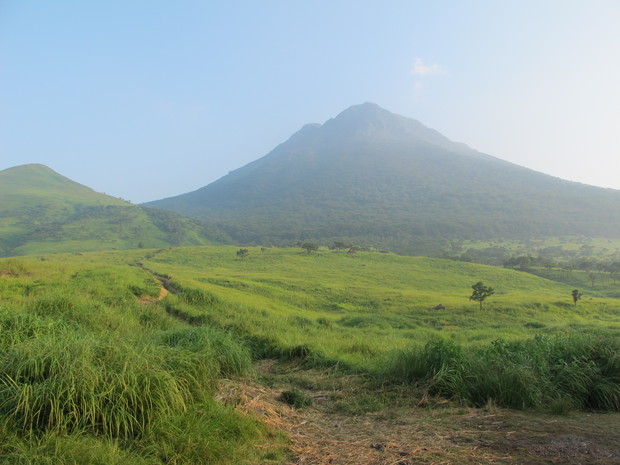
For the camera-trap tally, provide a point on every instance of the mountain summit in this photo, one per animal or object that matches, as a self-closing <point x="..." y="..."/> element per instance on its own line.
<point x="375" y="177"/>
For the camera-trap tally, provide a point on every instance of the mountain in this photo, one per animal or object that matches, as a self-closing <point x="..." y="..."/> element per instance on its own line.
<point x="43" y="211"/>
<point x="382" y="179"/>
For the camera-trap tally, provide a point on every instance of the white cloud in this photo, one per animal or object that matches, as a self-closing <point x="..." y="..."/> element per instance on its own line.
<point x="421" y="69"/>
<point x="418" y="85"/>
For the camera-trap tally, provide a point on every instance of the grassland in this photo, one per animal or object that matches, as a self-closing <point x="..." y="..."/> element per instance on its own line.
<point x="92" y="370"/>
<point x="351" y="307"/>
<point x="76" y="327"/>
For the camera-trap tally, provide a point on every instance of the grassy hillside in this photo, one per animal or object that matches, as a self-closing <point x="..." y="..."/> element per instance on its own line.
<point x="94" y="371"/>
<point x="42" y="211"/>
<point x="100" y="366"/>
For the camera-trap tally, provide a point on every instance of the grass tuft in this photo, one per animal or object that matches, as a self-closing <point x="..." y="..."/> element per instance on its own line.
<point x="296" y="399"/>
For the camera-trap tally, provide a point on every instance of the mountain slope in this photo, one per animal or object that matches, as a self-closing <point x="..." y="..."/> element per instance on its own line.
<point x="43" y="211"/>
<point x="382" y="179"/>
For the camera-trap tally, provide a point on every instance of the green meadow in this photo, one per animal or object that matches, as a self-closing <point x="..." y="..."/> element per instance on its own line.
<point x="95" y="368"/>
<point x="337" y="302"/>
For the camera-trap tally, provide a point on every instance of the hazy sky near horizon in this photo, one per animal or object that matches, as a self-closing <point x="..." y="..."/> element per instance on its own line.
<point x="145" y="99"/>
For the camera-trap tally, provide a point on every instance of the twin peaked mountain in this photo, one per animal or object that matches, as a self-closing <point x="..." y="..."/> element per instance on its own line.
<point x="367" y="176"/>
<point x="376" y="178"/>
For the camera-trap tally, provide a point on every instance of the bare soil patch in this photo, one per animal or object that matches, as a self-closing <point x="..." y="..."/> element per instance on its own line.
<point x="412" y="430"/>
<point x="163" y="292"/>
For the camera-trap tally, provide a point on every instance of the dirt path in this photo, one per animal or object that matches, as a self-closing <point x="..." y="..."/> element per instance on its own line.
<point x="330" y="433"/>
<point x="163" y="292"/>
<point x="165" y="286"/>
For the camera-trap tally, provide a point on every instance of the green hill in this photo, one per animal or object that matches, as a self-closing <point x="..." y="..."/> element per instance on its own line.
<point x="376" y="178"/>
<point x="43" y="211"/>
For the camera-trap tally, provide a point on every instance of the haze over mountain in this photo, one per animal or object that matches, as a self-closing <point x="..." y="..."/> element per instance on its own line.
<point x="43" y="211"/>
<point x="378" y="178"/>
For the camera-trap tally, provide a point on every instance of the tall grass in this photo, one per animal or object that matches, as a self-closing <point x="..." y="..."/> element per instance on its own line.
<point x="582" y="369"/>
<point x="62" y="449"/>
<point x="92" y="373"/>
<point x="70" y="381"/>
<point x="199" y="356"/>
<point x="210" y="434"/>
<point x="67" y="380"/>
<point x="218" y="345"/>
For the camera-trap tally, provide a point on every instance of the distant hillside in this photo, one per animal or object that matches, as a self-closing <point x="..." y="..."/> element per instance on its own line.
<point x="377" y="178"/>
<point x="42" y="211"/>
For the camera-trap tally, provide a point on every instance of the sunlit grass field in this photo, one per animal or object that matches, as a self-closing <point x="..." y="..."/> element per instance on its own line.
<point x="92" y="360"/>
<point x="353" y="307"/>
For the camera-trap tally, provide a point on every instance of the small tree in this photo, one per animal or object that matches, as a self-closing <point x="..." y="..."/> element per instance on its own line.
<point x="310" y="246"/>
<point x="339" y="246"/>
<point x="481" y="292"/>
<point x="592" y="277"/>
<point x="576" y="295"/>
<point x="242" y="253"/>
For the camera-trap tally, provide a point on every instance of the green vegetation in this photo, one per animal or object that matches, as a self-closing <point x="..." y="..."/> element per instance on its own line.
<point x="43" y="212"/>
<point x="296" y="398"/>
<point x="310" y="246"/>
<point x="582" y="371"/>
<point x="351" y="307"/>
<point x="564" y="252"/>
<point x="91" y="359"/>
<point x="93" y="370"/>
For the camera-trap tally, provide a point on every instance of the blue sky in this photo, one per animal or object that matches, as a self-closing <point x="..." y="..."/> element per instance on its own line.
<point x="147" y="99"/>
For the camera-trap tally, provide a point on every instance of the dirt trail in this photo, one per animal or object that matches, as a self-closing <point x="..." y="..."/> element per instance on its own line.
<point x="163" y="292"/>
<point x="444" y="434"/>
<point x="165" y="286"/>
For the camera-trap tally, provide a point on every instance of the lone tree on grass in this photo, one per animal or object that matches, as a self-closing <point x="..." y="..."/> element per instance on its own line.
<point x="481" y="292"/>
<point x="310" y="246"/>
<point x="339" y="246"/>
<point x="242" y="253"/>
<point x="576" y="295"/>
